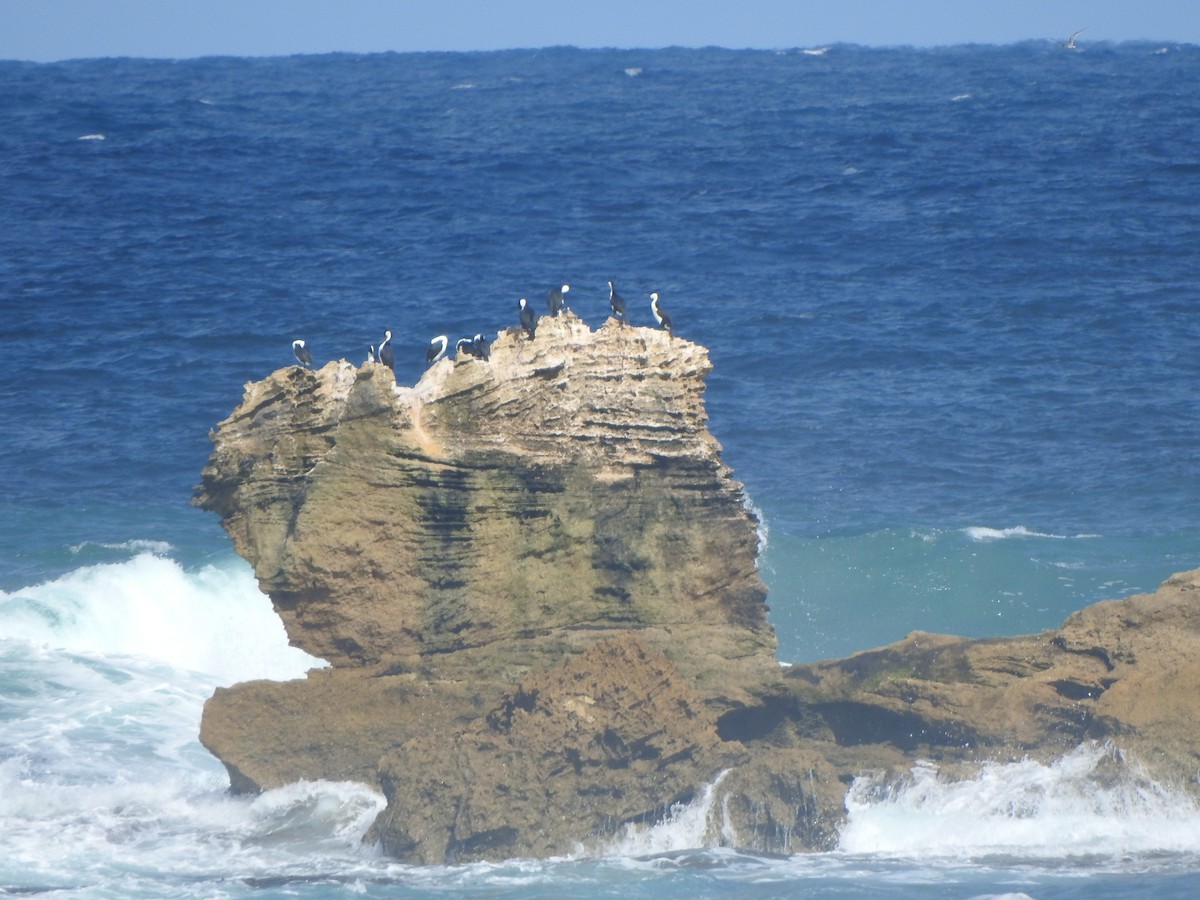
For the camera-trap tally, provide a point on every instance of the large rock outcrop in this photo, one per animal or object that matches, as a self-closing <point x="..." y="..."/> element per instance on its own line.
<point x="501" y="513"/>
<point x="557" y="505"/>
<point x="535" y="582"/>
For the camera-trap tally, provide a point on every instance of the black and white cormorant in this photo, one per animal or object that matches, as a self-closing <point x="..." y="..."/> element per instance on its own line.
<point x="464" y="347"/>
<point x="617" y="302"/>
<point x="482" y="348"/>
<point x="437" y="349"/>
<point x="370" y="353"/>
<point x="385" y="355"/>
<point x="660" y="314"/>
<point x="302" y="355"/>
<point x="556" y="300"/>
<point x="528" y="318"/>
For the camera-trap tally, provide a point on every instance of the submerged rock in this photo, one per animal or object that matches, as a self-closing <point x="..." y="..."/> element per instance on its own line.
<point x="535" y="582"/>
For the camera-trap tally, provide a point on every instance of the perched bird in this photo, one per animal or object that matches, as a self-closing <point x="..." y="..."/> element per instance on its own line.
<point x="528" y="318"/>
<point x="385" y="355"/>
<point x="370" y="353"/>
<point x="437" y="349"/>
<point x="555" y="299"/>
<point x="464" y="347"/>
<point x="302" y="355"/>
<point x="482" y="348"/>
<point x="617" y="302"/>
<point x="660" y="314"/>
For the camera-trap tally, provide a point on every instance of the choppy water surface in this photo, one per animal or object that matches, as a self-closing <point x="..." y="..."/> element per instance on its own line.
<point x="950" y="299"/>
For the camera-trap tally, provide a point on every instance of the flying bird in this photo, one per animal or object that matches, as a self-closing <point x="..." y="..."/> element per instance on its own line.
<point x="1070" y="44"/>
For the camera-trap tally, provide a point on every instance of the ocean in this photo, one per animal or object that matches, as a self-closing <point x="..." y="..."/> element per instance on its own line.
<point x="950" y="297"/>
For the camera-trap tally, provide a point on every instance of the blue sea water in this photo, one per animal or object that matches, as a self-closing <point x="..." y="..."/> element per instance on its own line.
<point x="951" y="300"/>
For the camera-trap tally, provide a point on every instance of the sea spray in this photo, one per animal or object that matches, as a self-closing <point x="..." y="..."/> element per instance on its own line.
<point x="1093" y="801"/>
<point x="685" y="826"/>
<point x="103" y="676"/>
<point x="212" y="620"/>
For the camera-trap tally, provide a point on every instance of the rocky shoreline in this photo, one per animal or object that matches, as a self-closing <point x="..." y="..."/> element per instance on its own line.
<point x="535" y="582"/>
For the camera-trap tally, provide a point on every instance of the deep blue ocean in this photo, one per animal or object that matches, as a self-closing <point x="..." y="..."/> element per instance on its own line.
<point x="952" y="298"/>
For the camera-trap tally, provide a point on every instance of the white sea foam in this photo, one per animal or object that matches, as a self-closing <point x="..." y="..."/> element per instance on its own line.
<point x="763" y="531"/>
<point x="685" y="826"/>
<point x="158" y="822"/>
<point x="214" y="620"/>
<point x="1092" y="801"/>
<point x="103" y="676"/>
<point x="159" y="548"/>
<point x="90" y="137"/>
<point x="982" y="533"/>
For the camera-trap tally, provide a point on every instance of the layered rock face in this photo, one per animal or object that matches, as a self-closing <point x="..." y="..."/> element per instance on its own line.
<point x="535" y="582"/>
<point x="501" y="513"/>
<point x="439" y="545"/>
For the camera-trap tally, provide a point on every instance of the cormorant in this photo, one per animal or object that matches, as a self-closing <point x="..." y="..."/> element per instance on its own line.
<point x="555" y="299"/>
<point x="660" y="314"/>
<point x="302" y="355"/>
<point x="386" y="356"/>
<point x="617" y="302"/>
<point x="528" y="318"/>
<point x="437" y="349"/>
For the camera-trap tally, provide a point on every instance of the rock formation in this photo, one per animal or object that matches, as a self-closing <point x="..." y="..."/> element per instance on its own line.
<point x="535" y="582"/>
<point x="443" y="544"/>
<point x="1119" y="671"/>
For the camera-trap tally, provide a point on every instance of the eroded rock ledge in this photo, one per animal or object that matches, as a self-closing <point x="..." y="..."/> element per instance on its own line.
<point x="535" y="582"/>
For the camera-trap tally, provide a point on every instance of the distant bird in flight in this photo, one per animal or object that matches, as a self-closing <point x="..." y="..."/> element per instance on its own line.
<point x="617" y="302"/>
<point x="556" y="300"/>
<point x="302" y="355"/>
<point x="660" y="314"/>
<point x="1070" y="44"/>
<point x="528" y="318"/>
